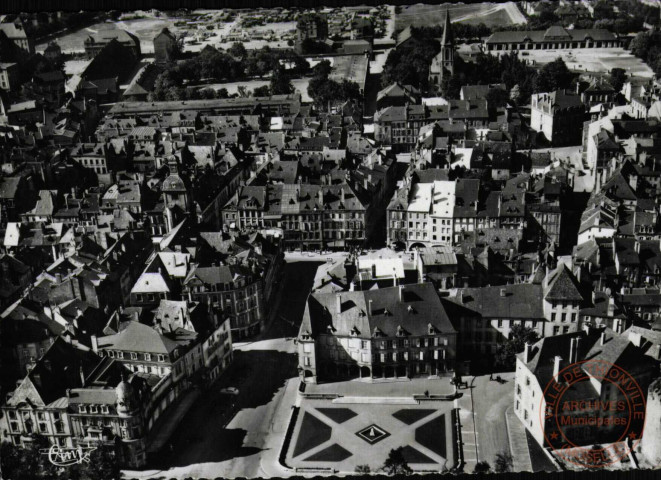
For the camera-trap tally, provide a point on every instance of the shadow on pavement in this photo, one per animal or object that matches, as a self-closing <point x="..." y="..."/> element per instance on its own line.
<point x="202" y="435"/>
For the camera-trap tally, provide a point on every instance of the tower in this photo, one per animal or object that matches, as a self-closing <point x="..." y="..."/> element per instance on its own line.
<point x="447" y="46"/>
<point x="443" y="63"/>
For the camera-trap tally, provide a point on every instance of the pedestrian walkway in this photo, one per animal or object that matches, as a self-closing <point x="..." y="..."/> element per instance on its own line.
<point x="164" y="429"/>
<point x="469" y="442"/>
<point x="518" y="442"/>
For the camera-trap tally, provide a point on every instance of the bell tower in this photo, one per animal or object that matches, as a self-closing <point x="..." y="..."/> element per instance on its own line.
<point x="447" y="46"/>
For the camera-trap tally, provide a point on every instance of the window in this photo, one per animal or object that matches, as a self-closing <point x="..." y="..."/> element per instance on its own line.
<point x="363" y="344"/>
<point x="161" y="358"/>
<point x="134" y="356"/>
<point x="104" y="408"/>
<point x="148" y="357"/>
<point x="120" y="354"/>
<point x="82" y="409"/>
<point x="307" y="348"/>
<point x="307" y="361"/>
<point x="518" y="389"/>
<point x="93" y="409"/>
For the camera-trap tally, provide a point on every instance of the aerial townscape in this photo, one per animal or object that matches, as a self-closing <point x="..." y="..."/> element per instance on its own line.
<point x="354" y="240"/>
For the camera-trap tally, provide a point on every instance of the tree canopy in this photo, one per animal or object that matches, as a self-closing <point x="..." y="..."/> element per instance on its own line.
<point x="395" y="464"/>
<point x="519" y="336"/>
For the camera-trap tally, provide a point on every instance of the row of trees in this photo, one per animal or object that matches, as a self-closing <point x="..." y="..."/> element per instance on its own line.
<point x="234" y="64"/>
<point x="647" y="46"/>
<point x="520" y="79"/>
<point x="326" y="92"/>
<point x="630" y="17"/>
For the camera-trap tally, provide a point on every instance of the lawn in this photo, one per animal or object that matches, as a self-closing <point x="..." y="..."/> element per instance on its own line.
<point x="427" y="436"/>
<point x="409" y="415"/>
<point x="338" y="415"/>
<point x="430" y="15"/>
<point x="313" y="433"/>
<point x="334" y="453"/>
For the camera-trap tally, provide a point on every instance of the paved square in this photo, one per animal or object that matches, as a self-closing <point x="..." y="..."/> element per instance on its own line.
<point x="342" y="434"/>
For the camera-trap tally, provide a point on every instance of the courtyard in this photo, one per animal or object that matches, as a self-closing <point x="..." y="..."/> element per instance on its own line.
<point x="340" y="436"/>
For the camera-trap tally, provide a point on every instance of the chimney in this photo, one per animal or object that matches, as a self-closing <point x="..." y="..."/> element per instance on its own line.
<point x="618" y="325"/>
<point x="352" y="286"/>
<point x="321" y="196"/>
<point x="556" y="367"/>
<point x="573" y="350"/>
<point x="369" y="307"/>
<point x="82" y="376"/>
<point x="338" y="300"/>
<point x="342" y="194"/>
<point x="503" y="292"/>
<point x="636" y="339"/>
<point x="587" y="328"/>
<point x="95" y="344"/>
<point x="526" y="352"/>
<point x="602" y="341"/>
<point x="611" y="307"/>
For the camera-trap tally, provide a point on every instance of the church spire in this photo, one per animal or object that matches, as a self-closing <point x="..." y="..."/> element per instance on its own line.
<point x="448" y="38"/>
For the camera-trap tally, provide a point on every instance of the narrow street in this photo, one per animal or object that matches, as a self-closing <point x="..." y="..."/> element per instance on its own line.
<point x="230" y="436"/>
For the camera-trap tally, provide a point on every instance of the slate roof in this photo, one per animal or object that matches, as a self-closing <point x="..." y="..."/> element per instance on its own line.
<point x="562" y="285"/>
<point x="419" y="308"/>
<point x="617" y="350"/>
<point x="520" y="301"/>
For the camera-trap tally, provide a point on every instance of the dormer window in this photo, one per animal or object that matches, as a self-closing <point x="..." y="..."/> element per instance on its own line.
<point x="355" y="331"/>
<point x="93" y="409"/>
<point x="161" y="358"/>
<point x="431" y="329"/>
<point x="134" y="356"/>
<point x="82" y="409"/>
<point x="104" y="408"/>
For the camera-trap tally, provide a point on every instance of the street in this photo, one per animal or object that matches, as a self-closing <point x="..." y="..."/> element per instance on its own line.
<point x="230" y="436"/>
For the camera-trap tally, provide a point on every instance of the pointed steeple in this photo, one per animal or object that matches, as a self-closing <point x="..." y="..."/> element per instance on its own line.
<point x="448" y="37"/>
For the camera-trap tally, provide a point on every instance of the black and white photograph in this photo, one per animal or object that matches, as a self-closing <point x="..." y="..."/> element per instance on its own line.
<point x="330" y="241"/>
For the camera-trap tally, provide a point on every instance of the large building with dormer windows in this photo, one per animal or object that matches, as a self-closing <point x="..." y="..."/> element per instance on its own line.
<point x="75" y="398"/>
<point x="400" y="331"/>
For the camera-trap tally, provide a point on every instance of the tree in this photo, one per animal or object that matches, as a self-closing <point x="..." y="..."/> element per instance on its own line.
<point x="363" y="469"/>
<point x="640" y="45"/>
<point x="238" y="51"/>
<point x="515" y="343"/>
<point x="222" y="93"/>
<point x="553" y="76"/>
<point x="322" y="69"/>
<point x="617" y="78"/>
<point x="395" y="464"/>
<point x="482" y="467"/>
<point x="102" y="465"/>
<point x="280" y="82"/>
<point x="504" y="462"/>
<point x="497" y="97"/>
<point x="263" y="91"/>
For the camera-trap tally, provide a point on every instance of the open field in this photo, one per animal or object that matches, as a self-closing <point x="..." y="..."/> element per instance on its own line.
<point x="144" y="28"/>
<point x="300" y="84"/>
<point x="487" y="13"/>
<point x="592" y="60"/>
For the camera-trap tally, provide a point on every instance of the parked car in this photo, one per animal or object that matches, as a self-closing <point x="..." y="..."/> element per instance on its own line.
<point x="230" y="391"/>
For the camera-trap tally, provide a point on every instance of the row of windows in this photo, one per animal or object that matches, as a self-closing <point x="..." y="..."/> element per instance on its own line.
<point x="93" y="409"/>
<point x="148" y="357"/>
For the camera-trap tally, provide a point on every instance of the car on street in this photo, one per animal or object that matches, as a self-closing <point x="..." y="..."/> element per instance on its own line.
<point x="230" y="391"/>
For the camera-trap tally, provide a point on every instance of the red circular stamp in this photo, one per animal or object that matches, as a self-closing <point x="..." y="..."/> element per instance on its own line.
<point x="592" y="413"/>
